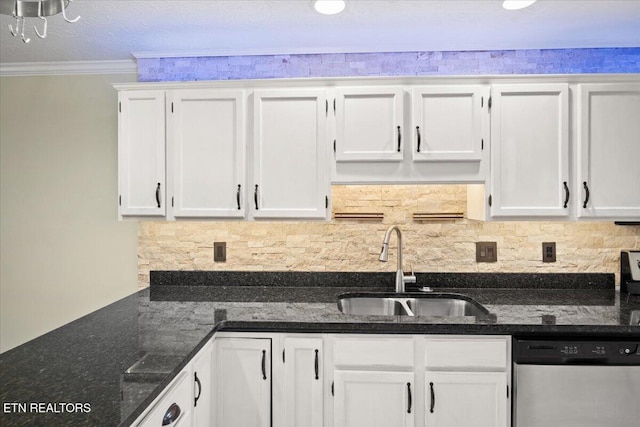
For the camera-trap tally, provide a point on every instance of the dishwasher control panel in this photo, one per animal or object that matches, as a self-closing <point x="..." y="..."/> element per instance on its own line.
<point x="576" y="352"/>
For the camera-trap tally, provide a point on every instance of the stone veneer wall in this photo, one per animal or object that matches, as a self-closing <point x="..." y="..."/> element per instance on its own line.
<point x="429" y="63"/>
<point x="337" y="245"/>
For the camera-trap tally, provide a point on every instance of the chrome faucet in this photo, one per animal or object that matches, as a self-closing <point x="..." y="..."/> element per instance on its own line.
<point x="401" y="279"/>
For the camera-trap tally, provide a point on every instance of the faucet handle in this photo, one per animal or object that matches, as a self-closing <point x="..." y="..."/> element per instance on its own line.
<point x="411" y="278"/>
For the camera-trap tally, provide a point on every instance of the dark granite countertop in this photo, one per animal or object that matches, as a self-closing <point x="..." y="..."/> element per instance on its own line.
<point x="117" y="359"/>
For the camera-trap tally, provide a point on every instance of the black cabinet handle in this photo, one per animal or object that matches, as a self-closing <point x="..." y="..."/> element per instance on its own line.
<point x="586" y="197"/>
<point x="419" y="137"/>
<point x="238" y="196"/>
<point x="197" y="380"/>
<point x="317" y="367"/>
<point x="409" y="390"/>
<point x="255" y="196"/>
<point x="433" y="398"/>
<point x="264" y="364"/>
<point x="399" y="138"/>
<point x="158" y="194"/>
<point x="172" y="414"/>
<point x="566" y="194"/>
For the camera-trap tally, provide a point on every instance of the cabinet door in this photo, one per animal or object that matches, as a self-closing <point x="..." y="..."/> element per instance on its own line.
<point x="290" y="173"/>
<point x="466" y="398"/>
<point x="202" y="384"/>
<point x="303" y="382"/>
<point x="175" y="403"/>
<point x="530" y="149"/>
<point x="207" y="149"/>
<point x="448" y="122"/>
<point x="141" y="153"/>
<point x="373" y="399"/>
<point x="242" y="382"/>
<point x="369" y="124"/>
<point x="609" y="151"/>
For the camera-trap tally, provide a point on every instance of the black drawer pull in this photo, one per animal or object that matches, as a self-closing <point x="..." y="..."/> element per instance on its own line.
<point x="197" y="380"/>
<point x="433" y="398"/>
<point x="158" y="194"/>
<point x="586" y="197"/>
<point x="172" y="414"/>
<point x="255" y="196"/>
<point x="566" y="194"/>
<point x="264" y="364"/>
<point x="317" y="367"/>
<point x="409" y="390"/>
<point x="399" y="138"/>
<point x="419" y="137"/>
<point x="238" y="196"/>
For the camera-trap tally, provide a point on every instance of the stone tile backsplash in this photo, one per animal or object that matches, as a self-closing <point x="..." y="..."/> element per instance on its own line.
<point x="339" y="245"/>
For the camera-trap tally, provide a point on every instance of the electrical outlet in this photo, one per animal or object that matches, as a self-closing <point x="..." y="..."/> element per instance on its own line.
<point x="220" y="251"/>
<point x="548" y="251"/>
<point x="486" y="252"/>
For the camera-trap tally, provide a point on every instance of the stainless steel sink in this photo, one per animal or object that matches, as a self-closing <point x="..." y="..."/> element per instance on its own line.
<point x="635" y="318"/>
<point x="410" y="304"/>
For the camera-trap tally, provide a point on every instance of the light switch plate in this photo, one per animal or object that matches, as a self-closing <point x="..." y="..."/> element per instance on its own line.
<point x="486" y="251"/>
<point x="220" y="251"/>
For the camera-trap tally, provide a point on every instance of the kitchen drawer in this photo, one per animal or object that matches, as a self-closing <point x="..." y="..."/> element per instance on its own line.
<point x="179" y="393"/>
<point x="489" y="354"/>
<point x="379" y="351"/>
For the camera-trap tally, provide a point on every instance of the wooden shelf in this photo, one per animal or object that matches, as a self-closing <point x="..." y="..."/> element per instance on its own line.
<point x="437" y="216"/>
<point x="359" y="216"/>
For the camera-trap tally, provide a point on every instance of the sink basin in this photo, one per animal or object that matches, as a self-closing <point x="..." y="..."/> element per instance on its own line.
<point x="410" y="304"/>
<point x="635" y="318"/>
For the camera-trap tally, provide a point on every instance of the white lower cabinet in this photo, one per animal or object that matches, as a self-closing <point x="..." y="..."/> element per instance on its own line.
<point x="372" y="398"/>
<point x="466" y="381"/>
<point x="173" y="407"/>
<point x="242" y="382"/>
<point x="303" y="382"/>
<point x="341" y="380"/>
<point x="186" y="401"/>
<point x="437" y="381"/>
<point x="476" y="399"/>
<point x="203" y="386"/>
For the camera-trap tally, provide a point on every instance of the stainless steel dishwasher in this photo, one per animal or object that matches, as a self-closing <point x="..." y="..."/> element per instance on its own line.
<point x="571" y="383"/>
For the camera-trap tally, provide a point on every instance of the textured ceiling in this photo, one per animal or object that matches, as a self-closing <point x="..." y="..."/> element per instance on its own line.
<point x="113" y="29"/>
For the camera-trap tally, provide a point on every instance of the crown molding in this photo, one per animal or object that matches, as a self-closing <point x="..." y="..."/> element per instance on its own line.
<point x="127" y="66"/>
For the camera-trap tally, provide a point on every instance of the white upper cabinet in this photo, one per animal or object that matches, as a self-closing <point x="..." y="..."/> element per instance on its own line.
<point x="141" y="153"/>
<point x="447" y="122"/>
<point x="207" y="153"/>
<point x="609" y="151"/>
<point x="369" y="123"/>
<point x="290" y="170"/>
<point x="530" y="150"/>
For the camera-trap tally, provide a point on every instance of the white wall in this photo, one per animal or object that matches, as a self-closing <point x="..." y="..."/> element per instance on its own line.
<point x="63" y="252"/>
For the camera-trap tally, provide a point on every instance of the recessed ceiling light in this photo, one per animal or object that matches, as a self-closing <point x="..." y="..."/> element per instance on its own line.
<point x="329" y="7"/>
<point x="517" y="4"/>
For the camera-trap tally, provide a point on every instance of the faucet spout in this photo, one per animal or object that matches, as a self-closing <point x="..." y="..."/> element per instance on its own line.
<point x="384" y="256"/>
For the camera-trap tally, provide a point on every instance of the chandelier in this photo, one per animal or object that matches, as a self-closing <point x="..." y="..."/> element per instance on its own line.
<point x="40" y="9"/>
